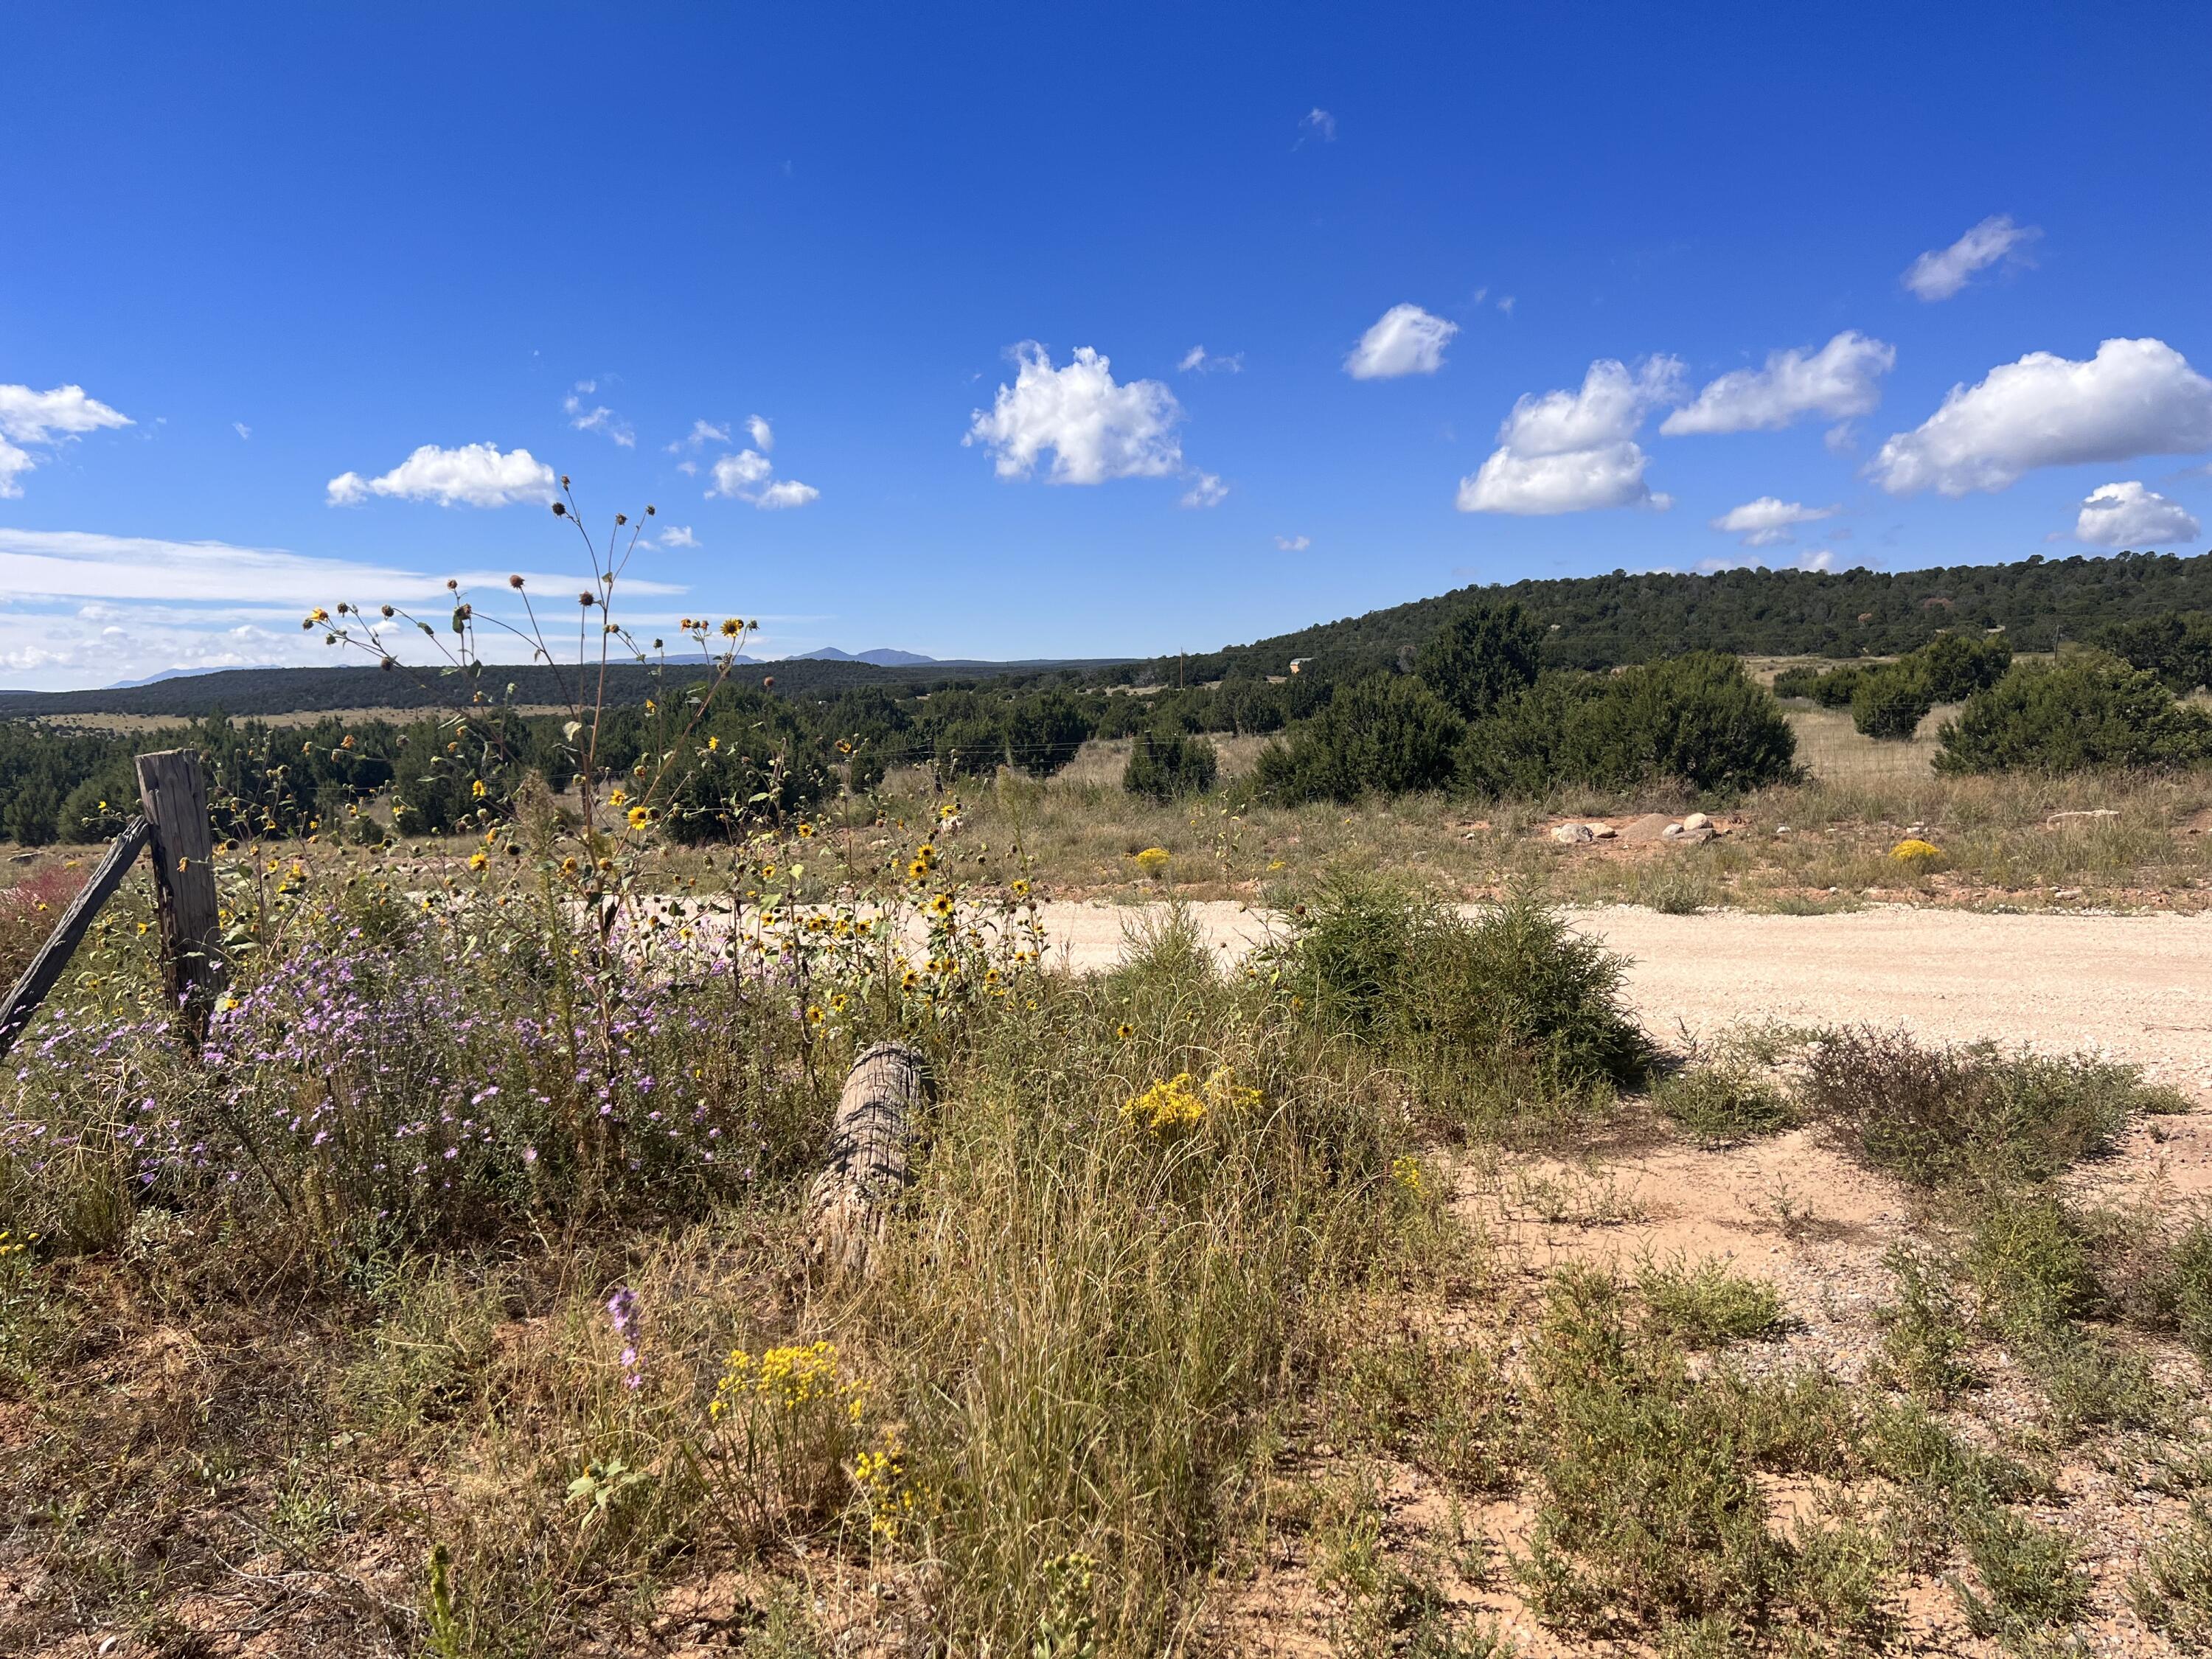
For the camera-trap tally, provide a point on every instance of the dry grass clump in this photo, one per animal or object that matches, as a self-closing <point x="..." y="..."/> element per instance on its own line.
<point x="1933" y="1117"/>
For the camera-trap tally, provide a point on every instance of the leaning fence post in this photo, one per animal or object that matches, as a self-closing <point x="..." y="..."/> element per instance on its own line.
<point x="174" y="796"/>
<point x="45" y="968"/>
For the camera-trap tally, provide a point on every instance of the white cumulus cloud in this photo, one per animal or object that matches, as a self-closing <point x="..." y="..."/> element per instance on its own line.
<point x="787" y="492"/>
<point x="1940" y="272"/>
<point x="1320" y="123"/>
<point x="749" y="476"/>
<point x="45" y="418"/>
<point x="678" y="535"/>
<point x="763" y="436"/>
<point x="1569" y="452"/>
<point x="2128" y="515"/>
<point x="1293" y="544"/>
<point x="474" y="475"/>
<point x="2134" y="398"/>
<point x="1207" y="489"/>
<point x="1405" y="340"/>
<point x="1769" y="519"/>
<point x="1841" y="380"/>
<point x="736" y="474"/>
<point x="1096" y="429"/>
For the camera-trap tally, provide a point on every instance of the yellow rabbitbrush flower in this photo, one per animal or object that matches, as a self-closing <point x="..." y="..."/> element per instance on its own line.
<point x="784" y="1439"/>
<point x="1153" y="860"/>
<point x="1406" y="1172"/>
<point x="1181" y="1102"/>
<point x="1920" y="855"/>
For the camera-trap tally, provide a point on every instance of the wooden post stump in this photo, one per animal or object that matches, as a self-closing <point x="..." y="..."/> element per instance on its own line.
<point x="849" y="1202"/>
<point x="174" y="796"/>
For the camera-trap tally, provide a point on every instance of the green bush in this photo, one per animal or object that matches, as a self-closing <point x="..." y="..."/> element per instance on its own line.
<point x="2077" y="713"/>
<point x="1452" y="994"/>
<point x="1166" y="763"/>
<point x="1802" y="681"/>
<point x="2176" y="647"/>
<point x="1956" y="665"/>
<point x="1890" y="702"/>
<point x="1698" y="721"/>
<point x="1833" y="689"/>
<point x="1484" y="656"/>
<point x="1388" y="735"/>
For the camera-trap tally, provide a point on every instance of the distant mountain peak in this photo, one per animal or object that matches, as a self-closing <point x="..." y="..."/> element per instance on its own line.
<point x="881" y="656"/>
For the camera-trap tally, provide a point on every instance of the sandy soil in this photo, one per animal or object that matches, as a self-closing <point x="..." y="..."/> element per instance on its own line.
<point x="2138" y="987"/>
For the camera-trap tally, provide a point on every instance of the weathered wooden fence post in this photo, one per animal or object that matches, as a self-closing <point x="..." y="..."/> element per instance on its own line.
<point x="173" y="794"/>
<point x="849" y="1202"/>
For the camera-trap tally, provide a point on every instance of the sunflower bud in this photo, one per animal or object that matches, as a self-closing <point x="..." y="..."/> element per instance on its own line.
<point x="560" y="510"/>
<point x="385" y="609"/>
<point x="620" y="519"/>
<point x="648" y="509"/>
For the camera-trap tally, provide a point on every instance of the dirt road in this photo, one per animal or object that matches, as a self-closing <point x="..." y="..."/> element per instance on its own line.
<point x="2137" y="987"/>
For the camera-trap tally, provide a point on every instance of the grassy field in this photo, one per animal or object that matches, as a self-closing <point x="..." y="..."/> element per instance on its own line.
<point x="2014" y="842"/>
<point x="1393" y="1296"/>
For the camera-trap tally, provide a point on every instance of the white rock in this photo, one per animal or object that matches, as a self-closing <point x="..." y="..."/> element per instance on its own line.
<point x="1697" y="821"/>
<point x="1603" y="831"/>
<point x="1570" y="835"/>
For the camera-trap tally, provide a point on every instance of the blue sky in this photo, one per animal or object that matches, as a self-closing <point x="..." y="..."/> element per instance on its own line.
<point x="291" y="246"/>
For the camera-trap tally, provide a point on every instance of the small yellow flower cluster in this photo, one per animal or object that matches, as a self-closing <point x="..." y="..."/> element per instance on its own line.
<point x="10" y="1245"/>
<point x="1153" y="860"/>
<point x="1406" y="1172"/>
<point x="788" y="1380"/>
<point x="881" y="1477"/>
<point x="1917" y="853"/>
<point x="1181" y="1102"/>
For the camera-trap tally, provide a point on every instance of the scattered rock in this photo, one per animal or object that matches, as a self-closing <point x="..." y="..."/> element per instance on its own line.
<point x="1603" y="831"/>
<point x="1652" y="826"/>
<point x="1682" y="834"/>
<point x="22" y="858"/>
<point x="1571" y="835"/>
<point x="1697" y="821"/>
<point x="2086" y="812"/>
<point x="1781" y="828"/>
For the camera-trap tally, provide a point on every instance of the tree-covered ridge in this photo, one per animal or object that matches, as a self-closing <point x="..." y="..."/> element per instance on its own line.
<point x="1599" y="622"/>
<point x="241" y="692"/>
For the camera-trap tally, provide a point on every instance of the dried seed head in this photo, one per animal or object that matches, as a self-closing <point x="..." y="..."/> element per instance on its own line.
<point x="560" y="511"/>
<point x="648" y="509"/>
<point x="515" y="582"/>
<point x="586" y="600"/>
<point x="385" y="609"/>
<point x="620" y="519"/>
<point x="451" y="585"/>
